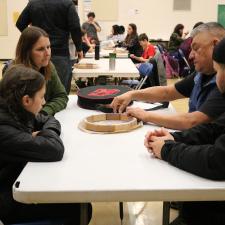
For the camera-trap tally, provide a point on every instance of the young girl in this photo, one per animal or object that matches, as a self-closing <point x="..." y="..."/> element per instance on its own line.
<point x="33" y="50"/>
<point x="27" y="136"/>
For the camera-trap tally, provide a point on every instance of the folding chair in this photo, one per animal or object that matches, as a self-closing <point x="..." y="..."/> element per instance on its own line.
<point x="183" y="57"/>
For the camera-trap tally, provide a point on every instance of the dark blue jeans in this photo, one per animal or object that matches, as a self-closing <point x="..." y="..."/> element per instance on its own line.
<point x="63" y="67"/>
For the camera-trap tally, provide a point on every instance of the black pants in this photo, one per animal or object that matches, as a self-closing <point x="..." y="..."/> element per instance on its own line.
<point x="203" y="213"/>
<point x="15" y="212"/>
<point x="64" y="70"/>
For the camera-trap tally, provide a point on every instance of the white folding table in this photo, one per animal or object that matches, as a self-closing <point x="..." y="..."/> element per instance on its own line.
<point x="108" y="168"/>
<point x="104" y="53"/>
<point x="123" y="68"/>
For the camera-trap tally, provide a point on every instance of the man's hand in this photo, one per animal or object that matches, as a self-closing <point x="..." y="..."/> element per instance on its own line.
<point x="138" y="113"/>
<point x="120" y="103"/>
<point x="154" y="141"/>
<point x="155" y="147"/>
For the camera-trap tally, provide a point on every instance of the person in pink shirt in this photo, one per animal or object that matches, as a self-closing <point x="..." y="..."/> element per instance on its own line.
<point x="148" y="49"/>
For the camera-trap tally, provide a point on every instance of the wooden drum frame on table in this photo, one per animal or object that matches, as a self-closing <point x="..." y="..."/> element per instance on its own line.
<point x="90" y="124"/>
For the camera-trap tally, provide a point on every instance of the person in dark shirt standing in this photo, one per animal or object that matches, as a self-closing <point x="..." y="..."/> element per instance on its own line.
<point x="59" y="19"/>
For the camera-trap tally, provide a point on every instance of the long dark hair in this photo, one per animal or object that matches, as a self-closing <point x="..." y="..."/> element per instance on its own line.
<point x="17" y="82"/>
<point x="27" y="39"/>
<point x="115" y="29"/>
<point x="177" y="29"/>
<point x="130" y="37"/>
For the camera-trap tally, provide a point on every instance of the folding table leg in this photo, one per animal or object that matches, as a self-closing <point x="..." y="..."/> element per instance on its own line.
<point x="166" y="213"/>
<point x="84" y="214"/>
<point x="121" y="212"/>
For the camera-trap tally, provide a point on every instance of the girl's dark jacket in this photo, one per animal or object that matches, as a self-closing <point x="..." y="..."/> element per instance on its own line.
<point x="18" y="146"/>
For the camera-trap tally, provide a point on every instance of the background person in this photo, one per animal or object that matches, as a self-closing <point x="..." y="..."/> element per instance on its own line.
<point x="176" y="38"/>
<point x="92" y="28"/>
<point x="60" y="20"/>
<point x="33" y="50"/>
<point x="148" y="49"/>
<point x="131" y="42"/>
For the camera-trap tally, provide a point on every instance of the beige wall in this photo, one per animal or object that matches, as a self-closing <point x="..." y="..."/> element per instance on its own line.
<point x="155" y="17"/>
<point x="8" y="43"/>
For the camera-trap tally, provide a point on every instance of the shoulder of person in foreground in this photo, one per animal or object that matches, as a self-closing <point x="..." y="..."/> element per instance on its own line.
<point x="56" y="96"/>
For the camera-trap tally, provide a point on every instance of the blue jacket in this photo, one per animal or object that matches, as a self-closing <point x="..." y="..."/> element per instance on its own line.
<point x="200" y="92"/>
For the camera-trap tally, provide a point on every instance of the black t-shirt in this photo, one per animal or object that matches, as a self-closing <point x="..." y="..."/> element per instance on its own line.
<point x="213" y="106"/>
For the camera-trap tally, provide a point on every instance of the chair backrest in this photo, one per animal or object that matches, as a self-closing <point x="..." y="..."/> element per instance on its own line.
<point x="172" y="65"/>
<point x="161" y="68"/>
<point x="151" y="78"/>
<point x="161" y="48"/>
<point x="183" y="57"/>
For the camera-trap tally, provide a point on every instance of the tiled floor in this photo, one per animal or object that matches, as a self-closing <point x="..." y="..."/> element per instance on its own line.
<point x="135" y="213"/>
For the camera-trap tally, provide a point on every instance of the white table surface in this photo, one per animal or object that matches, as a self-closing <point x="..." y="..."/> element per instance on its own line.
<point x="123" y="68"/>
<point x="108" y="167"/>
<point x="105" y="53"/>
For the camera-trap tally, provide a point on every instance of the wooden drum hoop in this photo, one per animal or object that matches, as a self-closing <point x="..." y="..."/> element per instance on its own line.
<point x="127" y="123"/>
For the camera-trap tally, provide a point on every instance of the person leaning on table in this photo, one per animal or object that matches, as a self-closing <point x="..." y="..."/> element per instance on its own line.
<point x="28" y="136"/>
<point x="199" y="150"/>
<point x="205" y="101"/>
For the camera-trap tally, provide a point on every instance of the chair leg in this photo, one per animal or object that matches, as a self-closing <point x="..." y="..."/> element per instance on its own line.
<point x="166" y="213"/>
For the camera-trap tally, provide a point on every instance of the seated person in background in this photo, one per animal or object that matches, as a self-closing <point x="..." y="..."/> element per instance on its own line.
<point x="112" y="39"/>
<point x="86" y="44"/>
<point x="186" y="44"/>
<point x="114" y="36"/>
<point x="131" y="42"/>
<point x="205" y="101"/>
<point x="203" y="146"/>
<point x="176" y="38"/>
<point x="148" y="49"/>
<point x="121" y="36"/>
<point x="33" y="50"/>
<point x="186" y="49"/>
<point x="27" y="136"/>
<point x="91" y="27"/>
<point x="121" y="33"/>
